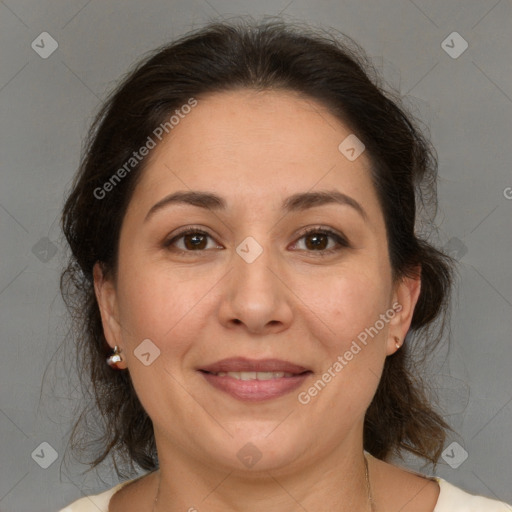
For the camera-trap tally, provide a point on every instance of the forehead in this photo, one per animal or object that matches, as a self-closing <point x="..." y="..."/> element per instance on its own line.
<point x="260" y="146"/>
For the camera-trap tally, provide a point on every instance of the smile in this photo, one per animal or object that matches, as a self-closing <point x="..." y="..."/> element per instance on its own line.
<point x="254" y="375"/>
<point x="255" y="386"/>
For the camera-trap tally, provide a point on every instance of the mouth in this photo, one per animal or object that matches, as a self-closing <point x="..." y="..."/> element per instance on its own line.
<point x="253" y="375"/>
<point x="255" y="380"/>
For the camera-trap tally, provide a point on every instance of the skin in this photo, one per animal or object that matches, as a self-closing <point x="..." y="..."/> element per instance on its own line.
<point x="255" y="149"/>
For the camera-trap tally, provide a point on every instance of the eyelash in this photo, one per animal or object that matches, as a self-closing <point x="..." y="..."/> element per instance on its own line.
<point x="339" y="239"/>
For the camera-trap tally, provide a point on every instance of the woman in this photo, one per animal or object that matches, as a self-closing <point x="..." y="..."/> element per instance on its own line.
<point x="243" y="242"/>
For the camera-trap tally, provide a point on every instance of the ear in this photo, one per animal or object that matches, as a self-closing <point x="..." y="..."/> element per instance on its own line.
<point x="106" y="296"/>
<point x="405" y="298"/>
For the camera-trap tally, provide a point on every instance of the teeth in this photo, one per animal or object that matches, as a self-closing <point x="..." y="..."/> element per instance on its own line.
<point x="254" y="375"/>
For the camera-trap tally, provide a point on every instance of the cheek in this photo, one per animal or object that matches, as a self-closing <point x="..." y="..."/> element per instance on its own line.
<point x="162" y="307"/>
<point x="350" y="304"/>
<point x="353" y="347"/>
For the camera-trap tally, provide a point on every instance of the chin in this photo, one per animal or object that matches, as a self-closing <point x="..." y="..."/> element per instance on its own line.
<point x="254" y="450"/>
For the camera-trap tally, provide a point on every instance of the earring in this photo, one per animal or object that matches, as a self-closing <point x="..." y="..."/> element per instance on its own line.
<point x="114" y="359"/>
<point x="397" y="342"/>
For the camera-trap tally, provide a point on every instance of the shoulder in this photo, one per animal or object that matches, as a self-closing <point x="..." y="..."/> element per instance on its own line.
<point x="454" y="499"/>
<point x="96" y="502"/>
<point x="407" y="490"/>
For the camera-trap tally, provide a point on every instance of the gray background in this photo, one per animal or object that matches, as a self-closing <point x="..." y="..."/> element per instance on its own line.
<point x="47" y="104"/>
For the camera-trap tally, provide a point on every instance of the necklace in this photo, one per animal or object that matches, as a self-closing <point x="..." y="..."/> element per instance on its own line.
<point x="368" y="487"/>
<point x="366" y="475"/>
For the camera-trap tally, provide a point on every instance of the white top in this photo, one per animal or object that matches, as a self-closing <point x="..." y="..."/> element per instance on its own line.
<point x="451" y="499"/>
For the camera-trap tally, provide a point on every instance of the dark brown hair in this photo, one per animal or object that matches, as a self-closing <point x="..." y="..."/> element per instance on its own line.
<point x="261" y="56"/>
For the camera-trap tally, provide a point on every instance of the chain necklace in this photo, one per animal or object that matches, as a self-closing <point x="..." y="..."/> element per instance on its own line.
<point x="368" y="487"/>
<point x="366" y="474"/>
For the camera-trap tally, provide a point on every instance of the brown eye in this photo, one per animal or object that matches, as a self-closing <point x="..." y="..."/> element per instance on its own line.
<point x="195" y="241"/>
<point x="192" y="239"/>
<point x="317" y="240"/>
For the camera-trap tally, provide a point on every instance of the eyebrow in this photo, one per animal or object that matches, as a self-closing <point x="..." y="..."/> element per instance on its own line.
<point x="295" y="203"/>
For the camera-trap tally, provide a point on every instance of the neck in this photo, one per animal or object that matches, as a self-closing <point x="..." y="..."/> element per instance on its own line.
<point x="343" y="481"/>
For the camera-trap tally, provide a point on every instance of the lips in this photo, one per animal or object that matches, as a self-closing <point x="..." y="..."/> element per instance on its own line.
<point x="241" y="364"/>
<point x="251" y="380"/>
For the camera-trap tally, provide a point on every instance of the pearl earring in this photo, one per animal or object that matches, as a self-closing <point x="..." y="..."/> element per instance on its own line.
<point x="397" y="342"/>
<point x="114" y="359"/>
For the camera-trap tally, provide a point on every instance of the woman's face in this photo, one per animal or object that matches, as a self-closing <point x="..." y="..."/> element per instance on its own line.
<point x="248" y="283"/>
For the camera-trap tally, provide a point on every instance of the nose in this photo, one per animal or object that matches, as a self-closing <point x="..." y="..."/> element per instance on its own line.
<point x="257" y="295"/>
